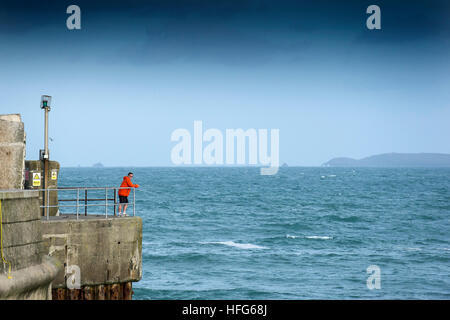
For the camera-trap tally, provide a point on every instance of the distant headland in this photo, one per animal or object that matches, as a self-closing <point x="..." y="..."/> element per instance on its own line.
<point x="394" y="160"/>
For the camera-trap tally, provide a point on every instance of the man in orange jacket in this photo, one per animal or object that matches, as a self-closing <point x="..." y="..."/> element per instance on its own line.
<point x="124" y="193"/>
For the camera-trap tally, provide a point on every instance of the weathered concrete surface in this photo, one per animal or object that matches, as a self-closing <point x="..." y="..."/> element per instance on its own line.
<point x="107" y="251"/>
<point x="22" y="232"/>
<point x="23" y="247"/>
<point x="32" y="166"/>
<point x="12" y="152"/>
<point x="32" y="283"/>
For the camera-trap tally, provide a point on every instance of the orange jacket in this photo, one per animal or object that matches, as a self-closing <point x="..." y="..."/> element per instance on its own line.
<point x="126" y="183"/>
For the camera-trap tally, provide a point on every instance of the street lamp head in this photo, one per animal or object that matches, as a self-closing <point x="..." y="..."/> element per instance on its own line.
<point x="45" y="102"/>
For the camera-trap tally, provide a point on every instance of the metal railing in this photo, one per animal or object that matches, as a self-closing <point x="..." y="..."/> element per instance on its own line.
<point x="83" y="202"/>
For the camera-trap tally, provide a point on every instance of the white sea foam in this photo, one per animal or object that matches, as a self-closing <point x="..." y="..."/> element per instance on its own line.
<point x="319" y="237"/>
<point x="237" y="245"/>
<point x="328" y="175"/>
<point x="309" y="237"/>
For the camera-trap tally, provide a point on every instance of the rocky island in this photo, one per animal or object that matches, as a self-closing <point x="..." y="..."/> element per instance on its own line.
<point x="394" y="160"/>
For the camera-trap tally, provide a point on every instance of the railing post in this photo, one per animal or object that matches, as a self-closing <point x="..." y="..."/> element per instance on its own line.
<point x="106" y="203"/>
<point x="48" y="204"/>
<point x="78" y="200"/>
<point x="134" y="202"/>
<point x="115" y="202"/>
<point x="85" y="202"/>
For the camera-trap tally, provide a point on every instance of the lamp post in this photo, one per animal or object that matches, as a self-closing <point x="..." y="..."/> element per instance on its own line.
<point x="44" y="154"/>
<point x="45" y="104"/>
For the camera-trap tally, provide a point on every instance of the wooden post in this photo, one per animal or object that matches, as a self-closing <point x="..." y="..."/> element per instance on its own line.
<point x="100" y="292"/>
<point x="107" y="292"/>
<point x="89" y="293"/>
<point x="127" y="291"/>
<point x="74" y="294"/>
<point x="115" y="291"/>
<point x="59" y="294"/>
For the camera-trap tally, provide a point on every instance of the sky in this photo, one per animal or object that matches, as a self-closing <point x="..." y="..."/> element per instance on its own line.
<point x="138" y="70"/>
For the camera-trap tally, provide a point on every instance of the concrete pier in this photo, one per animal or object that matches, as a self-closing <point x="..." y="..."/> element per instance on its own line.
<point x="105" y="255"/>
<point x="32" y="271"/>
<point x="62" y="257"/>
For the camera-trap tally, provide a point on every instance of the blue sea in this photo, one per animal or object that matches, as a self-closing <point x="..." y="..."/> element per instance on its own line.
<point x="304" y="233"/>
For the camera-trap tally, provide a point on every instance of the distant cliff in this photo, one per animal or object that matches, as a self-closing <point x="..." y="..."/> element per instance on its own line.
<point x="394" y="160"/>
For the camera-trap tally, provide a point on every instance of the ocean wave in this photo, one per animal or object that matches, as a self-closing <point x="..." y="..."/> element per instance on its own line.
<point x="237" y="245"/>
<point x="334" y="217"/>
<point x="413" y="249"/>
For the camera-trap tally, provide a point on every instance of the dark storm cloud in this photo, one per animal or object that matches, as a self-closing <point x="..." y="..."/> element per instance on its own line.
<point x="18" y="17"/>
<point x="414" y="21"/>
<point x="231" y="36"/>
<point x="231" y="31"/>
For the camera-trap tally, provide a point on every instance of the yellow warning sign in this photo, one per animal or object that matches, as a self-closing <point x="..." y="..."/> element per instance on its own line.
<point x="36" y="179"/>
<point x="54" y="174"/>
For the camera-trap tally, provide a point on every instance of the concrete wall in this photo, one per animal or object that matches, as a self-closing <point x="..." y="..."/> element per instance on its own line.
<point x="107" y="251"/>
<point x="23" y="247"/>
<point x="12" y="152"/>
<point x="22" y="233"/>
